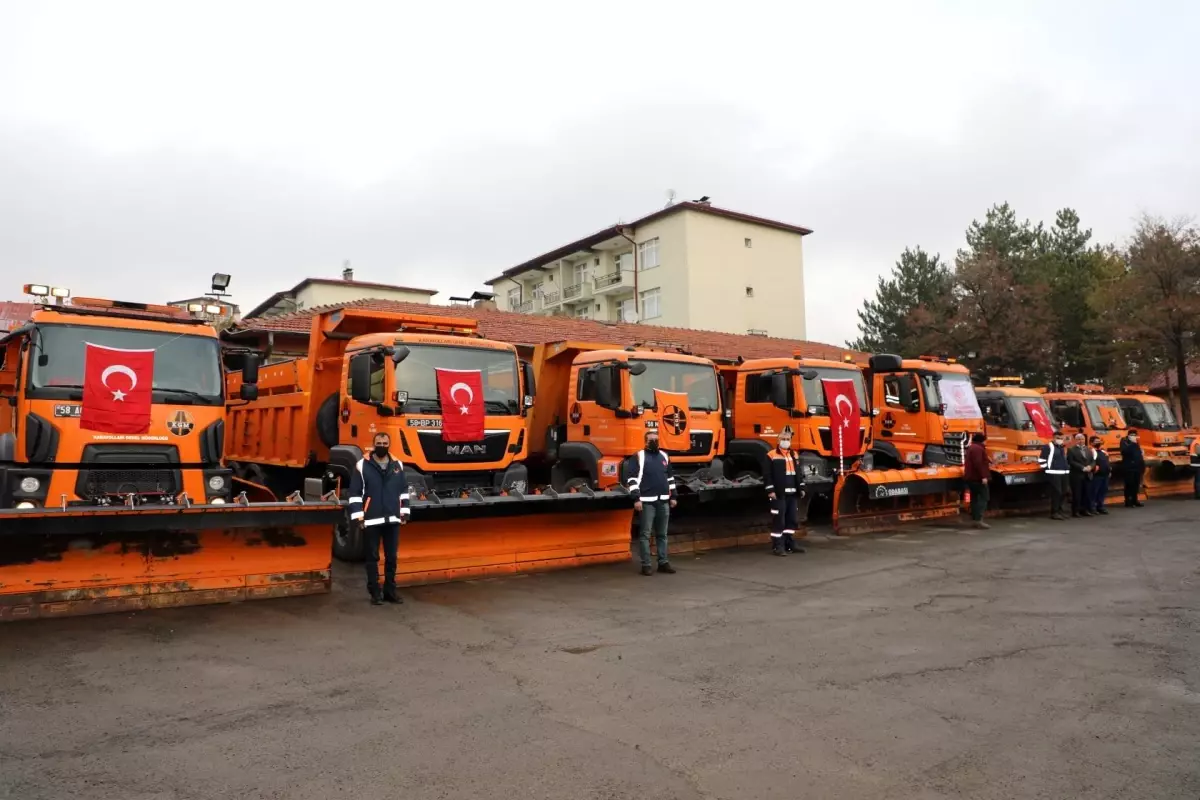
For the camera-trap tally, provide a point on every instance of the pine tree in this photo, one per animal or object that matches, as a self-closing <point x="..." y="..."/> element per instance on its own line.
<point x="896" y="320"/>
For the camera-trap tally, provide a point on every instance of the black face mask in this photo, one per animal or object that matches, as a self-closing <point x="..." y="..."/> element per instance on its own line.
<point x="652" y="446"/>
<point x="381" y="450"/>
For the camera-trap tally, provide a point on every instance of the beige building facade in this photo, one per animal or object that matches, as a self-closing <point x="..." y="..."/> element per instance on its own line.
<point x="312" y="292"/>
<point x="690" y="265"/>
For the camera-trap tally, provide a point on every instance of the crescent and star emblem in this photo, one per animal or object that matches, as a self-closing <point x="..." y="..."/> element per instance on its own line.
<point x="119" y="369"/>
<point x="463" y="409"/>
<point x="849" y="409"/>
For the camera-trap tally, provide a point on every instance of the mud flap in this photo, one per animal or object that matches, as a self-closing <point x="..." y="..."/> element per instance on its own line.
<point x="883" y="500"/>
<point x="91" y="560"/>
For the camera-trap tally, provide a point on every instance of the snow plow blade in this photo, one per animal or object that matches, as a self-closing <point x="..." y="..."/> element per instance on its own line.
<point x="96" y="559"/>
<point x="704" y="488"/>
<point x="1017" y="490"/>
<point x="884" y="500"/>
<point x="480" y="536"/>
<point x="1168" y="478"/>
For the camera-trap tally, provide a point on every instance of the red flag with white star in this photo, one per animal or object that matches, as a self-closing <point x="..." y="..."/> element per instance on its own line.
<point x="460" y="392"/>
<point x="117" y="390"/>
<point x="844" y="416"/>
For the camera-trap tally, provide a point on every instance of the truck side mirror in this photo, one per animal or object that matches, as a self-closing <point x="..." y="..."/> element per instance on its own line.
<point x="809" y="374"/>
<point x="248" y="391"/>
<point x="637" y="367"/>
<point x="779" y="390"/>
<point x="399" y="354"/>
<point x="360" y="378"/>
<point x="530" y="383"/>
<point x="250" y="369"/>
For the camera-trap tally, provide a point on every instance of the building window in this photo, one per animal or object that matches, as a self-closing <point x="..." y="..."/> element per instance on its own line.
<point x="749" y="243"/>
<point x="749" y="291"/>
<point x="514" y="298"/>
<point x="623" y="262"/>
<point x="648" y="254"/>
<point x="581" y="273"/>
<point x="583" y="312"/>
<point x="651" y="305"/>
<point x="539" y="289"/>
<point x="626" y="306"/>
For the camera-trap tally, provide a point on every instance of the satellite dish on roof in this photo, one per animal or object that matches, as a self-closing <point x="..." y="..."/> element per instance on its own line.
<point x="629" y="316"/>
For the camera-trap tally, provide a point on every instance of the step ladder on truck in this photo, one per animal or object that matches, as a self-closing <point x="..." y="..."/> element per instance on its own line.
<point x="133" y="508"/>
<point x="474" y="509"/>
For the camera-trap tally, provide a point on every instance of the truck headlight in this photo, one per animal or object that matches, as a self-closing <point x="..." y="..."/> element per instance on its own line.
<point x="216" y="501"/>
<point x="217" y="483"/>
<point x="26" y="504"/>
<point x="30" y="484"/>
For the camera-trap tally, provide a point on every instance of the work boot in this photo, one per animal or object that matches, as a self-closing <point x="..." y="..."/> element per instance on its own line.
<point x="376" y="598"/>
<point x="647" y="570"/>
<point x="392" y="597"/>
<point x="1139" y="504"/>
<point x="1102" y="511"/>
<point x="981" y="525"/>
<point x="790" y="545"/>
<point x="667" y="568"/>
<point x="777" y="548"/>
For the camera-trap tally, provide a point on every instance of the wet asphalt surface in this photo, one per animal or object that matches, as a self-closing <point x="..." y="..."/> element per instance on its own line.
<point x="1036" y="660"/>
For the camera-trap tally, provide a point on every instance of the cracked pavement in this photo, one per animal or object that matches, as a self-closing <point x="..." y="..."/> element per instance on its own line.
<point x="1035" y="660"/>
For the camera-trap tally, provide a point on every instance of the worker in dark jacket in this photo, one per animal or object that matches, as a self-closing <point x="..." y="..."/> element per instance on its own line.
<point x="1053" y="462"/>
<point x="1100" y="476"/>
<point x="1133" y="465"/>
<point x="785" y="487"/>
<point x="379" y="505"/>
<point x="1195" y="462"/>
<point x="1079" y="457"/>
<point x="652" y="484"/>
<point x="977" y="470"/>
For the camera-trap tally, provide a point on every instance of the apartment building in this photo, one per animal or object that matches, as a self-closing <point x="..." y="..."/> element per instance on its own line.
<point x="689" y="265"/>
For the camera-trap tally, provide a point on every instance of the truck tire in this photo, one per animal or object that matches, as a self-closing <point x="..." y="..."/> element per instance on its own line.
<point x="348" y="542"/>
<point x="327" y="421"/>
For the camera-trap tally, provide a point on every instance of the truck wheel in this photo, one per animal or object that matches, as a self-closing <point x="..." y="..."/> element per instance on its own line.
<point x="348" y="542"/>
<point x="327" y="421"/>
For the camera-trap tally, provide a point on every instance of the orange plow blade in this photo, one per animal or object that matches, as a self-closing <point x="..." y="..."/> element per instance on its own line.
<point x="883" y="500"/>
<point x="450" y="550"/>
<point x="1018" y="489"/>
<point x="90" y="560"/>
<point x="1167" y="479"/>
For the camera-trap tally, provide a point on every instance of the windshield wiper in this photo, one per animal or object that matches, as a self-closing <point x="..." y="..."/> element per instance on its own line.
<point x="194" y="395"/>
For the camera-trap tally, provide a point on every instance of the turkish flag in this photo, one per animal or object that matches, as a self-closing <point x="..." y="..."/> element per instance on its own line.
<point x="1039" y="418"/>
<point x="673" y="433"/>
<point x="117" y="390"/>
<point x="460" y="392"/>
<point x="844" y="417"/>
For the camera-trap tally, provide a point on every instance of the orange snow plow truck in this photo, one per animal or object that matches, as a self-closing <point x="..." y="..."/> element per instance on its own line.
<point x="94" y="521"/>
<point x="1013" y="414"/>
<point x="474" y="510"/>
<point x="924" y="412"/>
<point x="1164" y="443"/>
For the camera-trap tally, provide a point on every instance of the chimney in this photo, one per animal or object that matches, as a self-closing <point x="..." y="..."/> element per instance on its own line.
<point x="347" y="272"/>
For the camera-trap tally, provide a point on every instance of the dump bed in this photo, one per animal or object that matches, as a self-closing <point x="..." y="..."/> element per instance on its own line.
<point x="280" y="427"/>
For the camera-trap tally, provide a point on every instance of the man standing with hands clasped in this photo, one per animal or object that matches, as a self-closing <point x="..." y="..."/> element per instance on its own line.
<point x="379" y="505"/>
<point x="1082" y="467"/>
<point x="785" y="487"/>
<point x="1103" y="472"/>
<point x="652" y="484"/>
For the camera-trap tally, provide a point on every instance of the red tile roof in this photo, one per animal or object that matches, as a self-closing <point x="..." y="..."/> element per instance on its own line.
<point x="1161" y="381"/>
<point x="275" y="298"/>
<point x="12" y="312"/>
<point x="526" y="329"/>
<point x="615" y="230"/>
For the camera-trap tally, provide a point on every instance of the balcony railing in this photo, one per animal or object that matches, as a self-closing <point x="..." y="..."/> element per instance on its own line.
<point x="605" y="281"/>
<point x="572" y="292"/>
<point x="522" y="308"/>
<point x="550" y="299"/>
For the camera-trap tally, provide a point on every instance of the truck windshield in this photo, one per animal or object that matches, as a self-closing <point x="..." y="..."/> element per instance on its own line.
<point x="1105" y="415"/>
<point x="814" y="390"/>
<point x="498" y="370"/>
<point x="1157" y="416"/>
<point x="698" y="381"/>
<point x="187" y="368"/>
<point x="1018" y="413"/>
<point x="953" y="393"/>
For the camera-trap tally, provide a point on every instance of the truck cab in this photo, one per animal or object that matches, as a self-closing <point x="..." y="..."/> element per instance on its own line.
<point x="770" y="395"/>
<point x="1092" y="412"/>
<point x="1163" y="439"/>
<point x="927" y="411"/>
<point x="597" y="402"/>
<point x="1013" y="442"/>
<point x="48" y="459"/>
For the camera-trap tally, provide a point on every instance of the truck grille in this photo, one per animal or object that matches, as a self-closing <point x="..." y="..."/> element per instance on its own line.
<point x="954" y="444"/>
<point x="107" y="482"/>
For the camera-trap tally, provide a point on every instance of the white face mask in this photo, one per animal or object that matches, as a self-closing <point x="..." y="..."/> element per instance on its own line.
<point x="785" y="444"/>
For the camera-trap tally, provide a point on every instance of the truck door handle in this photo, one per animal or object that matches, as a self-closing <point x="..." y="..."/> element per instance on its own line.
<point x="758" y="428"/>
<point x="587" y="430"/>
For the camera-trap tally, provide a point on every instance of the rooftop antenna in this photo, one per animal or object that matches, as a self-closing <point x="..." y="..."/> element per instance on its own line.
<point x="670" y="198"/>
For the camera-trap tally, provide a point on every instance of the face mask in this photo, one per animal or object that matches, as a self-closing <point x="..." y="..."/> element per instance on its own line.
<point x="785" y="444"/>
<point x="381" y="450"/>
<point x="652" y="445"/>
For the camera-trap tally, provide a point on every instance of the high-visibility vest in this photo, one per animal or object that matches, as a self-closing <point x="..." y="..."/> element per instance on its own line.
<point x="1196" y="452"/>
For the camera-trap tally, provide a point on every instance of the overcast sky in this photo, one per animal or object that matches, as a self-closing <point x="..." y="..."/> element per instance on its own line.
<point x="144" y="146"/>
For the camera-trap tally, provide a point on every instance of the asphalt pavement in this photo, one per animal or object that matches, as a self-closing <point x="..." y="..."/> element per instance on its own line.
<point x="1037" y="660"/>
